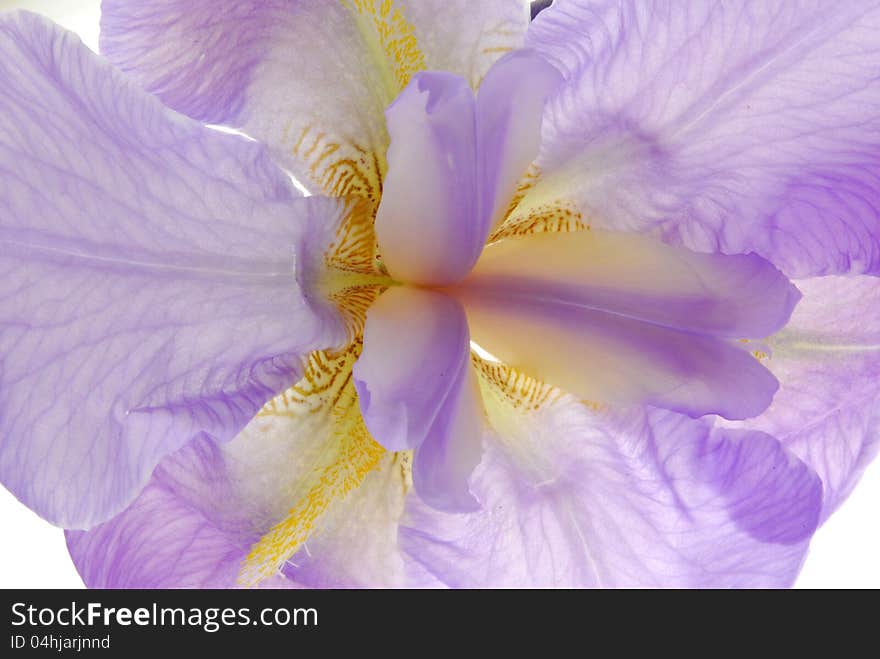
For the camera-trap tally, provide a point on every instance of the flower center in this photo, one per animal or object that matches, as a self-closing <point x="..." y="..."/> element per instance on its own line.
<point x="458" y="251"/>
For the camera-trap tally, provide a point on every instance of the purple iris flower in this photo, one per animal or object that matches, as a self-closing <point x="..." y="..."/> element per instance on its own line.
<point x="585" y="301"/>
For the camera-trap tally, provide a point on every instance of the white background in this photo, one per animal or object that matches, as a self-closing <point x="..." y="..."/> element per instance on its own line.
<point x="844" y="552"/>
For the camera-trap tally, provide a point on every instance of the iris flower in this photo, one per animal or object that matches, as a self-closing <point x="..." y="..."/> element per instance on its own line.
<point x="589" y="300"/>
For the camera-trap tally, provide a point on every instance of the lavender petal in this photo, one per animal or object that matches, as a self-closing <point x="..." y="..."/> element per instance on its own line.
<point x="735" y="128"/>
<point x="417" y="391"/>
<point x="300" y="76"/>
<point x="149" y="289"/>
<point x="578" y="498"/>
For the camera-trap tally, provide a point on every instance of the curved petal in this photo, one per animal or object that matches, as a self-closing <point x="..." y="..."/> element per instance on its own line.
<point x="741" y="296"/>
<point x="166" y="538"/>
<point x="574" y="497"/>
<point x="827" y="360"/>
<point x="443" y="464"/>
<point x="606" y="358"/>
<point x="739" y="127"/>
<point x="149" y="288"/>
<point x="416" y="390"/>
<point x="207" y="505"/>
<point x="454" y="165"/>
<point x="428" y="226"/>
<point x="625" y="319"/>
<point x="510" y="105"/>
<point x="311" y="79"/>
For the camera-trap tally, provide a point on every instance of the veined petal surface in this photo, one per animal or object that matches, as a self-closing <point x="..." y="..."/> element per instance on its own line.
<point x="583" y="498"/>
<point x="310" y="79"/>
<point x="667" y="502"/>
<point x="149" y="278"/>
<point x="290" y="497"/>
<point x="207" y="505"/>
<point x="741" y="296"/>
<point x="732" y="127"/>
<point x="827" y="359"/>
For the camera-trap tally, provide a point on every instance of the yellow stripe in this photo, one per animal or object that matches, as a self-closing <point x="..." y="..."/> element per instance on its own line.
<point x="392" y="40"/>
<point x="352" y="454"/>
<point x="530" y="212"/>
<point x="510" y="390"/>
